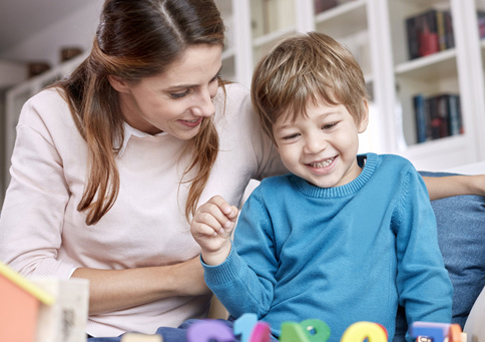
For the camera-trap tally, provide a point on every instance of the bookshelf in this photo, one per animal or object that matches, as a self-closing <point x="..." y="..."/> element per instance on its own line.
<point x="375" y="31"/>
<point x="443" y="70"/>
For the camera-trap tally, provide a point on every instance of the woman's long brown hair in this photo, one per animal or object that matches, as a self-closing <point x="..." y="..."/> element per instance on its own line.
<point x="136" y="39"/>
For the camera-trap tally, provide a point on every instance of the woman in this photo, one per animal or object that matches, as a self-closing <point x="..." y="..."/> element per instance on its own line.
<point x="110" y="163"/>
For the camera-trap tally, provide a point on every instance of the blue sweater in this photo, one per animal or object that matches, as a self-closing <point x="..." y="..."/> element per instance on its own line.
<point x="341" y="255"/>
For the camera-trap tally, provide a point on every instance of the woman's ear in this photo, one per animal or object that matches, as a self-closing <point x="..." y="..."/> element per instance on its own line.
<point x="364" y="119"/>
<point x="119" y="84"/>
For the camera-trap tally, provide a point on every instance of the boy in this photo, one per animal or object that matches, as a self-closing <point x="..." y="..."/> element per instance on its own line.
<point x="343" y="238"/>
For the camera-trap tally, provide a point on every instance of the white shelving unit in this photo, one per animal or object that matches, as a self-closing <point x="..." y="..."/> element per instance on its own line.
<point x="375" y="32"/>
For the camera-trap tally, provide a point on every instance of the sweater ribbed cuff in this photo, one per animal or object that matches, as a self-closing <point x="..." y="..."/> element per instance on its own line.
<point x="226" y="272"/>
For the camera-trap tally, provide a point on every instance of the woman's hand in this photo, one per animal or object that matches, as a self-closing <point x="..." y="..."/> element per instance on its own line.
<point x="477" y="184"/>
<point x="441" y="187"/>
<point x="211" y="227"/>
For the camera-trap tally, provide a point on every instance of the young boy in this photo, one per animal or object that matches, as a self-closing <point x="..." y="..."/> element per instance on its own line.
<point x="344" y="237"/>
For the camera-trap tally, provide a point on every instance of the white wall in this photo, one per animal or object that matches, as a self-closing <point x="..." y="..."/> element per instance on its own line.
<point x="76" y="30"/>
<point x="11" y="73"/>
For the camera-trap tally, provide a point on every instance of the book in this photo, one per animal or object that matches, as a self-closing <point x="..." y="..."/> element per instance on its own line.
<point x="413" y="46"/>
<point x="455" y="120"/>
<point x="437" y="116"/>
<point x="429" y="32"/>
<point x="450" y="36"/>
<point x="420" y="115"/>
<point x="481" y="23"/>
<point x="323" y="5"/>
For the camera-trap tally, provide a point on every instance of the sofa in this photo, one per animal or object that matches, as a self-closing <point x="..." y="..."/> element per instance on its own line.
<point x="461" y="237"/>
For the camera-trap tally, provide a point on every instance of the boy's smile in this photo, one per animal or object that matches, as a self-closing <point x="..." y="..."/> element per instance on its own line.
<point x="321" y="147"/>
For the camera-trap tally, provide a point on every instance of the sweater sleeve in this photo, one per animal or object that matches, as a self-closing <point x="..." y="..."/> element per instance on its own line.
<point x="423" y="284"/>
<point x="33" y="211"/>
<point x="245" y="281"/>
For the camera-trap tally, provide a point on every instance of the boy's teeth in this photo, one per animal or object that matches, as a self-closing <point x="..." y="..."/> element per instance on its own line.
<point x="324" y="163"/>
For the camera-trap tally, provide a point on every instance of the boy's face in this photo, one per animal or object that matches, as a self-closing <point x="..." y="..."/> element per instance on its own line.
<point x="322" y="147"/>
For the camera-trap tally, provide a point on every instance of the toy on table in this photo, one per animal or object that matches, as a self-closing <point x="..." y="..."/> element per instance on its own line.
<point x="20" y="302"/>
<point x="65" y="320"/>
<point x="132" y="337"/>
<point x="251" y="330"/>
<point x="436" y="332"/>
<point x="209" y="329"/>
<point x="310" y="330"/>
<point x="360" y="331"/>
<point x="42" y="310"/>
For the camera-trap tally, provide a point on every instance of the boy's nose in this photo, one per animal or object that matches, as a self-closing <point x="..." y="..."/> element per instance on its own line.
<point x="315" y="144"/>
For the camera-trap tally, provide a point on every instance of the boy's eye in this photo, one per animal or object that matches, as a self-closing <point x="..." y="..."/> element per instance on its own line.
<point x="330" y="125"/>
<point x="291" y="136"/>
<point x="179" y="95"/>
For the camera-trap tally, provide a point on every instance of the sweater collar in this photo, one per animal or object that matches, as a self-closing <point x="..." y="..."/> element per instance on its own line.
<point x="368" y="161"/>
<point x="129" y="131"/>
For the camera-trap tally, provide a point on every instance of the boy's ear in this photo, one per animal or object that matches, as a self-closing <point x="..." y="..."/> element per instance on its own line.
<point x="364" y="121"/>
<point x="119" y="84"/>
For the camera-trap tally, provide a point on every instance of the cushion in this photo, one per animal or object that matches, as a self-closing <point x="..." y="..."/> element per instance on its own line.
<point x="461" y="237"/>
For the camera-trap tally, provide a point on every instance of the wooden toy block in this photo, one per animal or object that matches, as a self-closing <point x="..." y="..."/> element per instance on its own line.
<point x="66" y="319"/>
<point x="20" y="301"/>
<point x="132" y="337"/>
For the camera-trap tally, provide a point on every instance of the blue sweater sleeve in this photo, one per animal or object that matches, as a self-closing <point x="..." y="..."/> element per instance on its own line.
<point x="245" y="281"/>
<point x="424" y="287"/>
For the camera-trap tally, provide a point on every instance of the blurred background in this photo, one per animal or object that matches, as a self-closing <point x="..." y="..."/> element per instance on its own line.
<point x="423" y="61"/>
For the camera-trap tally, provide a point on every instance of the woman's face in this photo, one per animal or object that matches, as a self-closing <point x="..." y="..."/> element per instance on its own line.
<point x="177" y="100"/>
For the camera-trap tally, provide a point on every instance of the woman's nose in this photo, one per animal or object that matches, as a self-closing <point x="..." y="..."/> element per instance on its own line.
<point x="205" y="107"/>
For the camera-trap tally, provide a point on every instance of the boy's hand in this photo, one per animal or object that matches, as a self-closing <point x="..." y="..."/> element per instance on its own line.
<point x="211" y="228"/>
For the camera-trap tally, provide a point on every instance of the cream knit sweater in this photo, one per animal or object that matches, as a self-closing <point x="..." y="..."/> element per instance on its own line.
<point x="42" y="233"/>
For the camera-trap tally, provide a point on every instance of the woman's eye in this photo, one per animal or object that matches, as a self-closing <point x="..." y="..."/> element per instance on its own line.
<point x="179" y="95"/>
<point x="216" y="77"/>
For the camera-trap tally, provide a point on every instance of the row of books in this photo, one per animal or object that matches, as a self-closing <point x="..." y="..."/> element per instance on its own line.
<point x="429" y="32"/>
<point x="437" y="116"/>
<point x="432" y="31"/>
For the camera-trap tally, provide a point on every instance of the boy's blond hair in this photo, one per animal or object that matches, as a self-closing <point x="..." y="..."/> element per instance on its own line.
<point x="302" y="68"/>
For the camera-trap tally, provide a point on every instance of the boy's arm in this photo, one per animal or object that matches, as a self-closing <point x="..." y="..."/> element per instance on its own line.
<point x="245" y="281"/>
<point x="441" y="187"/>
<point x="212" y="227"/>
<point x="423" y="284"/>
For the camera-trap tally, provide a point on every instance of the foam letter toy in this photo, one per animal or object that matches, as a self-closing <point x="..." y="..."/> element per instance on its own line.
<point x="454" y="334"/>
<point x="359" y="331"/>
<point x="436" y="331"/>
<point x="261" y="333"/>
<point x="316" y="330"/>
<point x="310" y="330"/>
<point x="208" y="330"/>
<point x="244" y="326"/>
<point x="292" y="332"/>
